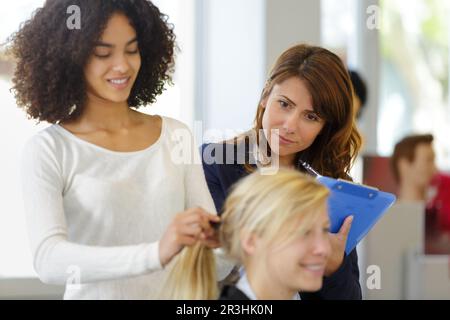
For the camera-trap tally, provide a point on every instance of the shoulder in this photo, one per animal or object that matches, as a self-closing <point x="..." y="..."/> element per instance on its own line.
<point x="43" y="150"/>
<point x="173" y="124"/>
<point x="46" y="140"/>
<point x="232" y="293"/>
<point x="222" y="163"/>
<point x="225" y="153"/>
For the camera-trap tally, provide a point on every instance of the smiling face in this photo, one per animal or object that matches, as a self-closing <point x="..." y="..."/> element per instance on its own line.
<point x="115" y="62"/>
<point x="286" y="267"/>
<point x="289" y="109"/>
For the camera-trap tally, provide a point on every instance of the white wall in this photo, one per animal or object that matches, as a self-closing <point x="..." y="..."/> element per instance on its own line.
<point x="233" y="62"/>
<point x="238" y="43"/>
<point x="289" y="22"/>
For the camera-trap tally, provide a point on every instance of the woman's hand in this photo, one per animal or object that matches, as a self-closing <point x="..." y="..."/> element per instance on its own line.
<point x="186" y="229"/>
<point x="338" y="242"/>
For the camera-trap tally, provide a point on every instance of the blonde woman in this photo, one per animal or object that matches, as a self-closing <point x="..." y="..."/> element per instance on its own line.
<point x="276" y="227"/>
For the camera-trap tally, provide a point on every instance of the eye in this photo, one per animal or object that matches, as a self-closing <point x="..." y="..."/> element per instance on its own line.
<point x="133" y="51"/>
<point x="102" y="53"/>
<point x="102" y="56"/>
<point x="312" y="117"/>
<point x="283" y="104"/>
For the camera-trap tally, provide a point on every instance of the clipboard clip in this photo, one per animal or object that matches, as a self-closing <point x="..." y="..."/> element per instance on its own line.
<point x="314" y="173"/>
<point x="359" y="184"/>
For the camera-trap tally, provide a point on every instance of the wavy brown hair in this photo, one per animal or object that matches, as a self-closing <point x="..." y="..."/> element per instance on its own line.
<point x="329" y="84"/>
<point x="50" y="57"/>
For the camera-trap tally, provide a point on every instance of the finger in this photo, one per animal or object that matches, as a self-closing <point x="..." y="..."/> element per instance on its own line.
<point x="196" y="215"/>
<point x="211" y="232"/>
<point x="345" y="229"/>
<point x="211" y="227"/>
<point x="213" y="217"/>
<point x="193" y="230"/>
<point x="187" y="240"/>
<point x="190" y="216"/>
<point x="203" y="212"/>
<point x="205" y="221"/>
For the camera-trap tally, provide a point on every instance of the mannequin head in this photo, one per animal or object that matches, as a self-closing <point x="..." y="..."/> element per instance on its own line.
<point x="413" y="164"/>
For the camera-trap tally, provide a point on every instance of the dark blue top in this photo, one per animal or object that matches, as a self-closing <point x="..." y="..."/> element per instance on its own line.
<point x="222" y="169"/>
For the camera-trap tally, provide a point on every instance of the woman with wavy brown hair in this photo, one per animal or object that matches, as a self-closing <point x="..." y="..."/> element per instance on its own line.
<point x="305" y="114"/>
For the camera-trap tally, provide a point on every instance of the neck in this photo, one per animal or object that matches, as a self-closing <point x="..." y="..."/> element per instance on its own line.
<point x="264" y="287"/>
<point x="410" y="192"/>
<point x="287" y="161"/>
<point x="106" y="115"/>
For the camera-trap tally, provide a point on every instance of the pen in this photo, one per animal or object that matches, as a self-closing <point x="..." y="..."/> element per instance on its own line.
<point x="308" y="168"/>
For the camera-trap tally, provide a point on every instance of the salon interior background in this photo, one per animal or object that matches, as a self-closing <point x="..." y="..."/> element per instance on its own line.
<point x="401" y="48"/>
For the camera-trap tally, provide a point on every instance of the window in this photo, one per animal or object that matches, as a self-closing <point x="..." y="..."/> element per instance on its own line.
<point x="338" y="28"/>
<point x="415" y="74"/>
<point x="16" y="129"/>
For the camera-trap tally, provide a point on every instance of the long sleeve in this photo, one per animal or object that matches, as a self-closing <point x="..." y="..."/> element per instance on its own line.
<point x="341" y="285"/>
<point x="54" y="257"/>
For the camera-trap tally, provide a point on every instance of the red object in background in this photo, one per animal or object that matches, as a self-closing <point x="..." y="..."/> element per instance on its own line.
<point x="377" y="173"/>
<point x="440" y="203"/>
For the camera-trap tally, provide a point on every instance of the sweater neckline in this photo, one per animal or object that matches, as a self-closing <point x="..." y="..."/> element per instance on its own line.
<point x="154" y="145"/>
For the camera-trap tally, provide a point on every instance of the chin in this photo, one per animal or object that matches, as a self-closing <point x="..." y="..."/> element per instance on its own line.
<point x="118" y="98"/>
<point x="286" y="153"/>
<point x="311" y="285"/>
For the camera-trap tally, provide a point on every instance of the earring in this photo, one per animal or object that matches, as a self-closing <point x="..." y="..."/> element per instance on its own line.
<point x="72" y="109"/>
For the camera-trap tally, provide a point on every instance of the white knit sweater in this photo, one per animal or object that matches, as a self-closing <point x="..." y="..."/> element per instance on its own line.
<point x="95" y="216"/>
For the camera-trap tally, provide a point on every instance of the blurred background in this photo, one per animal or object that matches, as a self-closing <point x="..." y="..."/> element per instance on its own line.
<point x="399" y="50"/>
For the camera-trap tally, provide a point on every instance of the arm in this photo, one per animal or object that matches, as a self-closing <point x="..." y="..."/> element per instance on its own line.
<point x="53" y="255"/>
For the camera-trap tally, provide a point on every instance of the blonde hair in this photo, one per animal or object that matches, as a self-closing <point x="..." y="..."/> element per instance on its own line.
<point x="266" y="205"/>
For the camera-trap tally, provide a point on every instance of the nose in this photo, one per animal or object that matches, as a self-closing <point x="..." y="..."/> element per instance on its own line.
<point x="290" y="122"/>
<point x="322" y="246"/>
<point x="121" y="64"/>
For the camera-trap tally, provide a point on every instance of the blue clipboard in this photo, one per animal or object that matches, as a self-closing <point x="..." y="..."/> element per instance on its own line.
<point x="366" y="204"/>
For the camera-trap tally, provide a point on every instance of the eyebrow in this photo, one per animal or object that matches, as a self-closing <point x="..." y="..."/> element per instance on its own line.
<point x="292" y="102"/>
<point x="108" y="45"/>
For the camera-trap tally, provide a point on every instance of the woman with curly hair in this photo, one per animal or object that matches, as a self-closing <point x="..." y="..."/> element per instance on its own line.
<point x="305" y="114"/>
<point x="107" y="206"/>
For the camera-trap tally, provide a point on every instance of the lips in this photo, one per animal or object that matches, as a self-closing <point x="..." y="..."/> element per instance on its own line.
<point x="316" y="269"/>
<point x="119" y="83"/>
<point x="284" y="140"/>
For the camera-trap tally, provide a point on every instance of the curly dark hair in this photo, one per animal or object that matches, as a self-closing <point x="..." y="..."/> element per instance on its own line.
<point x="49" y="77"/>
